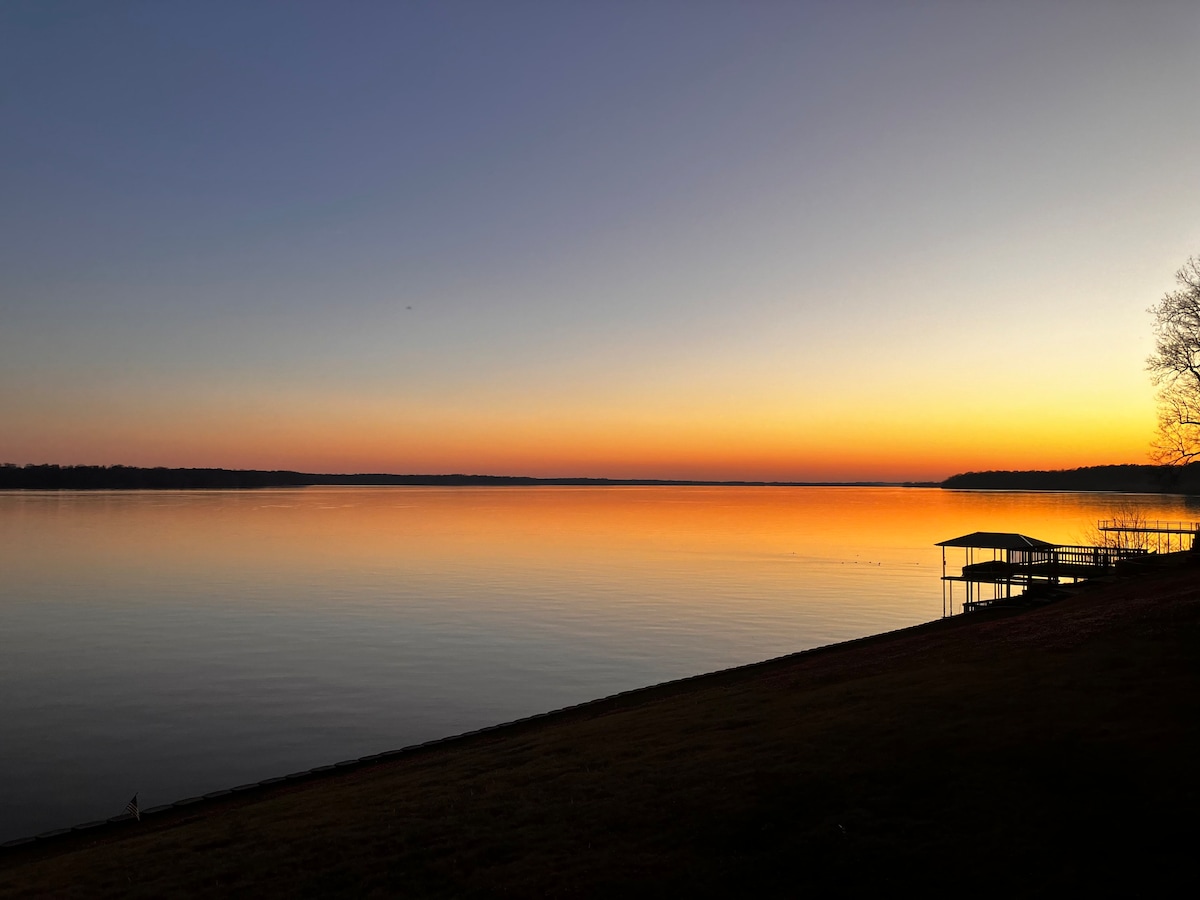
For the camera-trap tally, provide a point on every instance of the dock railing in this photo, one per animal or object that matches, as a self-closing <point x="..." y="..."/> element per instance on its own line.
<point x="1067" y="561"/>
<point x="1153" y="533"/>
<point x="1148" y="526"/>
<point x="1099" y="557"/>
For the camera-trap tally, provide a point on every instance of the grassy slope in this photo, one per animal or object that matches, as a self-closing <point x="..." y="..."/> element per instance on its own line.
<point x="993" y="754"/>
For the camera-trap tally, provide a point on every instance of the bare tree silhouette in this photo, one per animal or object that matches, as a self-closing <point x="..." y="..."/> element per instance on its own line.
<point x="1174" y="367"/>
<point x="1127" y="515"/>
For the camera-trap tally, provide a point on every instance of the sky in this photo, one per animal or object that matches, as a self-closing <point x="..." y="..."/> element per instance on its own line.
<point x="721" y="240"/>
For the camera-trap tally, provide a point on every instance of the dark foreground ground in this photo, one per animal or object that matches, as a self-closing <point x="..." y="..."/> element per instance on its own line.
<point x="996" y="754"/>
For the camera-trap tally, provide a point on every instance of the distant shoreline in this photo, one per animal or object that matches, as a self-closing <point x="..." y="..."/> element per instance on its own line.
<point x="76" y="478"/>
<point x="1116" y="478"/>
<point x="1130" y="479"/>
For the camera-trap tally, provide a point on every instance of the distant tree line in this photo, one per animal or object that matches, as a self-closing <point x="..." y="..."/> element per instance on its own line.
<point x="85" y="478"/>
<point x="115" y="478"/>
<point x="1128" y="478"/>
<point x="109" y="478"/>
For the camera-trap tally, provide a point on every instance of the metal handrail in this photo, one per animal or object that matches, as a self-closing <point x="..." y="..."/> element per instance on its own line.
<point x="1148" y="527"/>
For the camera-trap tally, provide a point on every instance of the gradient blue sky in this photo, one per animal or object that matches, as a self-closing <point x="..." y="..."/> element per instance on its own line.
<point x="729" y="240"/>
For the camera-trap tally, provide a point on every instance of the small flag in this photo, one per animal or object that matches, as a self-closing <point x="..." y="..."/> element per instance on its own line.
<point x="131" y="808"/>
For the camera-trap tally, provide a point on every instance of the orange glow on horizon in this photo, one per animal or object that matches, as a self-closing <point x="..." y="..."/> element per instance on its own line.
<point x="927" y="441"/>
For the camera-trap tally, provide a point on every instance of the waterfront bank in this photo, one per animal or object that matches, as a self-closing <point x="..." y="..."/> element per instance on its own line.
<point x="1011" y="753"/>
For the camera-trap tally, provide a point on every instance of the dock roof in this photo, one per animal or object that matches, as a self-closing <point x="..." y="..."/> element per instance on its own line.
<point x="996" y="540"/>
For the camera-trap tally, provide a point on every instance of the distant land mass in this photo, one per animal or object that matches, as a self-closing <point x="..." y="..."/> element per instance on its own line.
<point x="108" y="478"/>
<point x="1119" y="478"/>
<point x="1127" y="478"/>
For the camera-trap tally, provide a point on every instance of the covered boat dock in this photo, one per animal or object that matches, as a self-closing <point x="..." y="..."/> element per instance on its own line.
<point x="1017" y="560"/>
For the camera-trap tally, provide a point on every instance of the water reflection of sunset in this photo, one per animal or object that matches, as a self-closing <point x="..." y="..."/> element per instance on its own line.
<point x="744" y="538"/>
<point x="241" y="634"/>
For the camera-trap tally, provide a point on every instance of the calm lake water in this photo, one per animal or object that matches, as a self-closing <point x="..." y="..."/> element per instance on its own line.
<point x="175" y="643"/>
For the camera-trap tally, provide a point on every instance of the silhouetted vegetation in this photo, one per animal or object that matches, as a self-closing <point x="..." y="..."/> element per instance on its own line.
<point x="1127" y="478"/>
<point x="117" y="478"/>
<point x="1175" y="367"/>
<point x="84" y="478"/>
